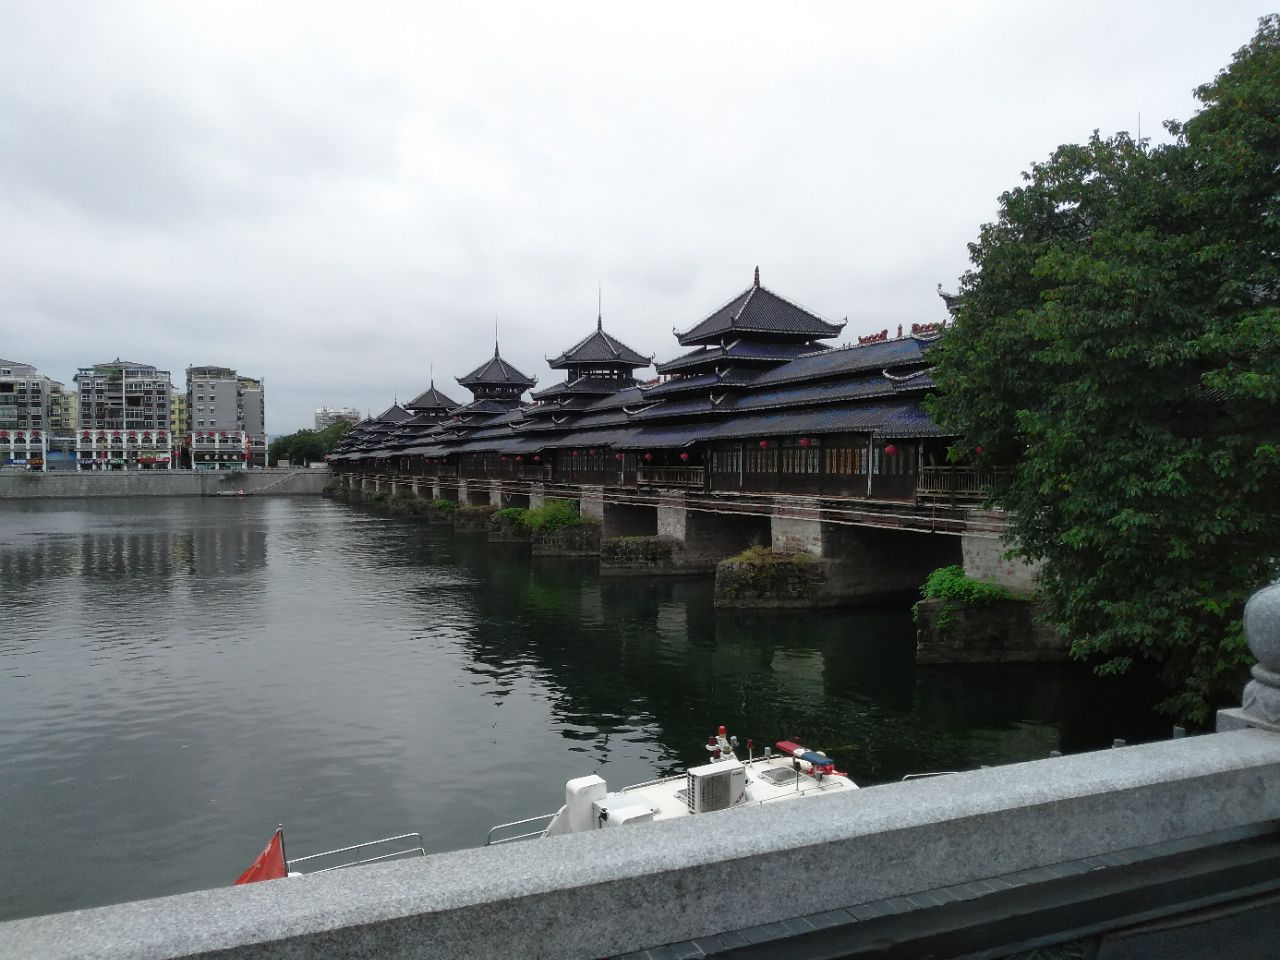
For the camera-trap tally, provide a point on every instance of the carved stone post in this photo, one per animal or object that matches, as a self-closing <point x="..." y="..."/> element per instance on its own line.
<point x="1261" y="707"/>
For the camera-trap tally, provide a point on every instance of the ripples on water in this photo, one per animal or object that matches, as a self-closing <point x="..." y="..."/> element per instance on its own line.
<point x="176" y="682"/>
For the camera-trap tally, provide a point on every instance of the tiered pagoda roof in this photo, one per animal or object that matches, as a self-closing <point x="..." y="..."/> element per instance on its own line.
<point x="496" y="374"/>
<point x="598" y="348"/>
<point x="757" y="370"/>
<point x="758" y="312"/>
<point x="431" y="400"/>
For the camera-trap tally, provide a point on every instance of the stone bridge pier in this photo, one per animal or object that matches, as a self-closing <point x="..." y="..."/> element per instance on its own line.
<point x="628" y="520"/>
<point x="856" y="564"/>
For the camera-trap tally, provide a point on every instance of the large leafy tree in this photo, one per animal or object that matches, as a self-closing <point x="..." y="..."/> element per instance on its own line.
<point x="307" y="446"/>
<point x="1117" y="350"/>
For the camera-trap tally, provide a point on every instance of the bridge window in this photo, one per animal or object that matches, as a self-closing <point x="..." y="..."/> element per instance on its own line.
<point x="726" y="461"/>
<point x="845" y="461"/>
<point x="761" y="461"/>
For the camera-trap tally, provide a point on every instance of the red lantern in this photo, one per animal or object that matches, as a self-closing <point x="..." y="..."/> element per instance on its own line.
<point x="764" y="444"/>
<point x="805" y="442"/>
<point x="648" y="457"/>
<point x="519" y="457"/>
<point x="890" y="450"/>
<point x="617" y="456"/>
<point x="575" y="453"/>
<point x="592" y="452"/>
<point x="4" y="433"/>
<point x="116" y="434"/>
<point x="978" y="451"/>
<point x="84" y="436"/>
<point x="537" y="459"/>
<point x="503" y="458"/>
<point x="35" y="434"/>
<point x="684" y="456"/>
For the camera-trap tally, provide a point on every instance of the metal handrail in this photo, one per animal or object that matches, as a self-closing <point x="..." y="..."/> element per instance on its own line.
<point x="548" y="817"/>
<point x="419" y="850"/>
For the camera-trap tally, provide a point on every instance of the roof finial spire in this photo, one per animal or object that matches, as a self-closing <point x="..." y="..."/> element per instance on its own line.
<point x="495" y="334"/>
<point x="757" y="279"/>
<point x="431" y="369"/>
<point x="599" y="305"/>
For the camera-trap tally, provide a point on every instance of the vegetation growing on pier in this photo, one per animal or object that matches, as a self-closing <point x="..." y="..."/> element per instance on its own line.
<point x="1117" y="348"/>
<point x="552" y="515"/>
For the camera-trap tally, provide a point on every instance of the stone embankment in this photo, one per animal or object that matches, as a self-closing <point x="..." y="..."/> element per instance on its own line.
<point x="1007" y="631"/>
<point x="59" y="485"/>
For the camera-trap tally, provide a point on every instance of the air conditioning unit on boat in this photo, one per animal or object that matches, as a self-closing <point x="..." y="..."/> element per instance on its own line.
<point x="716" y="786"/>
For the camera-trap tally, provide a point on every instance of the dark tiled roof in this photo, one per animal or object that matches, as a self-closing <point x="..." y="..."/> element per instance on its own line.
<point x="497" y="370"/>
<point x="599" y="386"/>
<point x="394" y="414"/>
<point x="700" y="381"/>
<point x="431" y="399"/>
<point x="743" y="350"/>
<point x="895" y="419"/>
<point x="675" y="408"/>
<point x="859" y="387"/>
<point x="623" y="398"/>
<point x="846" y="360"/>
<point x="759" y="310"/>
<point x="599" y="347"/>
<point x="482" y="408"/>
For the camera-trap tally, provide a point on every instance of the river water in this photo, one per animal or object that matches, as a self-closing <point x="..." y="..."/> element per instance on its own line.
<point x="177" y="676"/>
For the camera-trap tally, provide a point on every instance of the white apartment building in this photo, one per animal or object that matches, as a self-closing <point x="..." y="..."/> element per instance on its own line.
<point x="328" y="416"/>
<point x="123" y="417"/>
<point x="24" y="415"/>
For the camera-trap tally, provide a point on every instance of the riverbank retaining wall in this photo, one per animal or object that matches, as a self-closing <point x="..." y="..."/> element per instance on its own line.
<point x="1007" y="631"/>
<point x="161" y="483"/>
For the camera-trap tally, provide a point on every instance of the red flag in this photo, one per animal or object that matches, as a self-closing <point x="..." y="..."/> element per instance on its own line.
<point x="270" y="864"/>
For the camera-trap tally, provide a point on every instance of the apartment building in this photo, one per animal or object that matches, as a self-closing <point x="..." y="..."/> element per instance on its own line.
<point x="123" y="414"/>
<point x="24" y="415"/>
<point x="227" y="417"/>
<point x="328" y="416"/>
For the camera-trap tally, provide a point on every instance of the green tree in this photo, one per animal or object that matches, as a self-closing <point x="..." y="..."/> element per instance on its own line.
<point x="306" y="446"/>
<point x="1117" y="348"/>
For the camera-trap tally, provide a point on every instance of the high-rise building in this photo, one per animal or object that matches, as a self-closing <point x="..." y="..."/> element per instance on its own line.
<point x="123" y="417"/>
<point x="328" y="416"/>
<point x="61" y="416"/>
<point x="24" y="415"/>
<point x="227" y="418"/>
<point x="180" y="422"/>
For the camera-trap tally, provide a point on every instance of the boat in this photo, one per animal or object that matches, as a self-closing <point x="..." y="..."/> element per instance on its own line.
<point x="723" y="783"/>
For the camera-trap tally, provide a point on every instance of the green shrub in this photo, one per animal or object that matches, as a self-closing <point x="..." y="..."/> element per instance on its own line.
<point x="448" y="506"/>
<point x="553" y="515"/>
<point x="511" y="515"/>
<point x="954" y="587"/>
<point x="951" y="583"/>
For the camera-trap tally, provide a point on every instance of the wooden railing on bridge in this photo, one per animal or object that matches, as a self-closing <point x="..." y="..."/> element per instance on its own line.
<point x="956" y="483"/>
<point x="680" y="477"/>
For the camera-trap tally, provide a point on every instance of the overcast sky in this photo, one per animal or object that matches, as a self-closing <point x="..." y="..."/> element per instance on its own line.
<point x="339" y="197"/>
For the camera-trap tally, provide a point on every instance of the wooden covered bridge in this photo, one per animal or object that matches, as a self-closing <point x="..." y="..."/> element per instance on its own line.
<point x="759" y="418"/>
